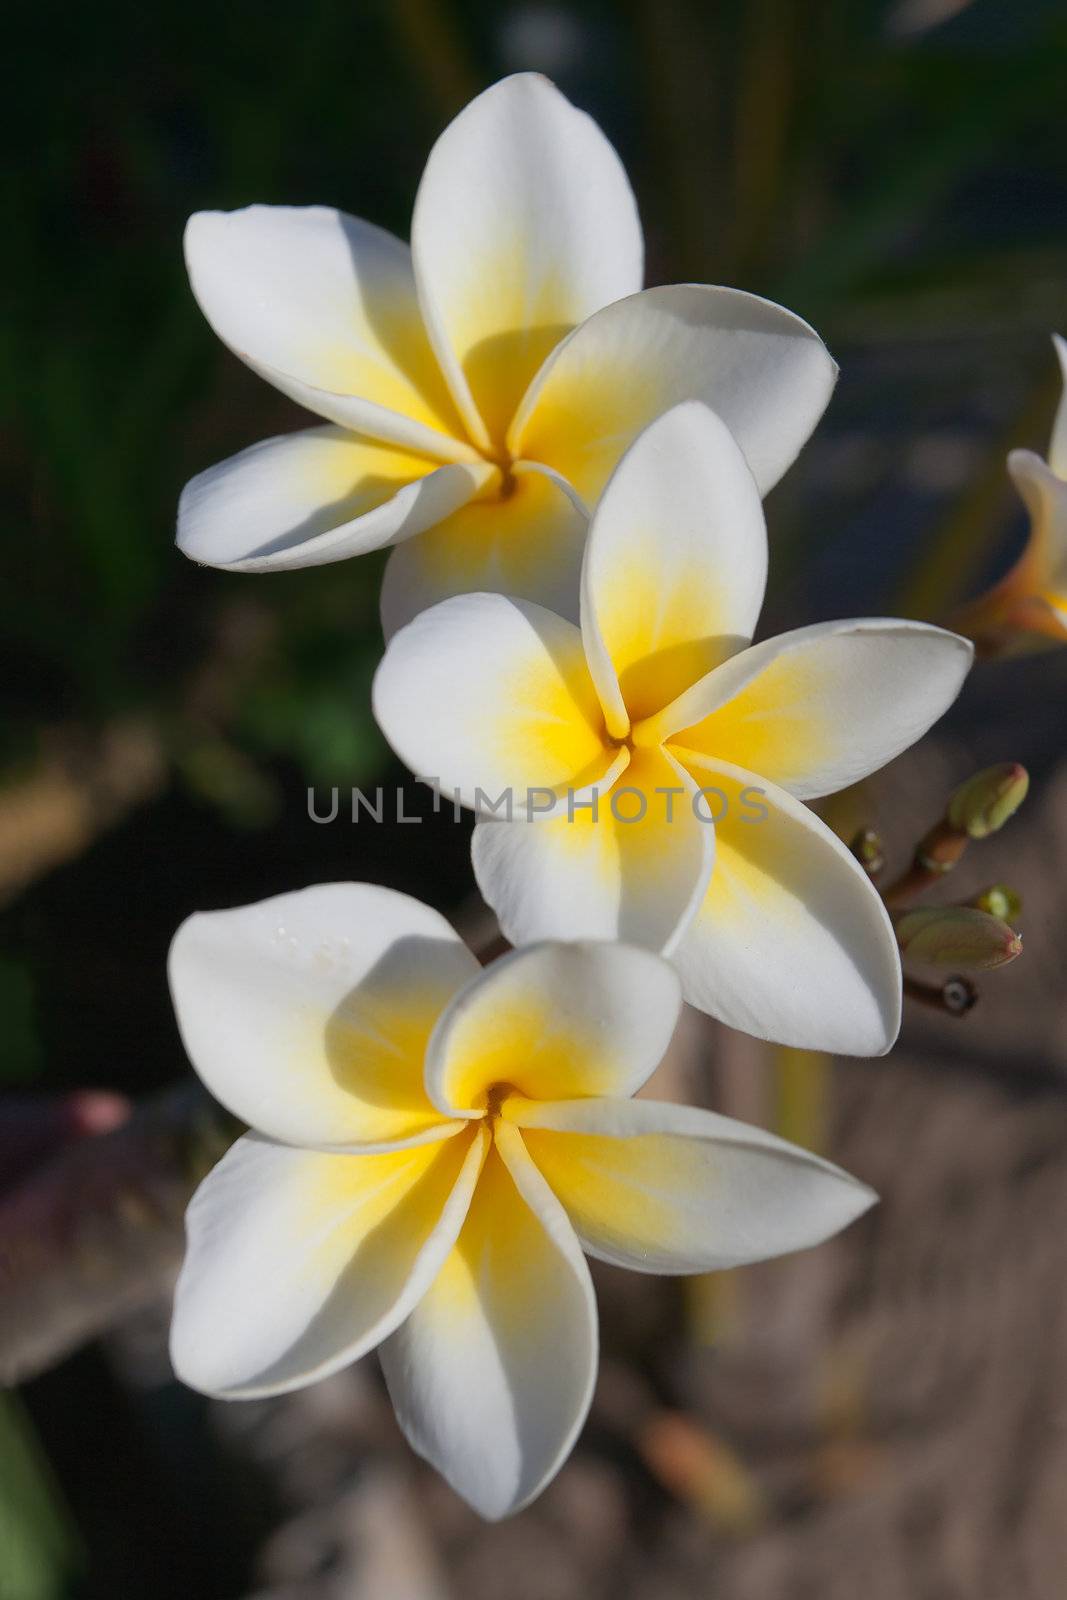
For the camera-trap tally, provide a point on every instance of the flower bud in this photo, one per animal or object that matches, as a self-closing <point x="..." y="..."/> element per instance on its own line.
<point x="869" y="851"/>
<point x="1000" y="901"/>
<point x="957" y="936"/>
<point x="984" y="803"/>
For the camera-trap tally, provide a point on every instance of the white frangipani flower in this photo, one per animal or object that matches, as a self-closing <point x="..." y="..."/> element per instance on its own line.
<point x="1027" y="609"/>
<point x="478" y="388"/>
<point x="658" y="712"/>
<point x="434" y="1148"/>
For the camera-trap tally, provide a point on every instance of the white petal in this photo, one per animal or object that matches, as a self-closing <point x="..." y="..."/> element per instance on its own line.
<point x="820" y="708"/>
<point x="620" y="875"/>
<point x="792" y="941"/>
<point x="675" y="564"/>
<point x="493" y="1372"/>
<point x="524" y="224"/>
<point x="528" y="544"/>
<point x="766" y="373"/>
<point x="316" y="496"/>
<point x="299" y="1262"/>
<point x="308" y="1014"/>
<point x="552" y="1021"/>
<point x="491" y="698"/>
<point x="666" y="1188"/>
<point x="324" y="307"/>
<point x="1057" y="450"/>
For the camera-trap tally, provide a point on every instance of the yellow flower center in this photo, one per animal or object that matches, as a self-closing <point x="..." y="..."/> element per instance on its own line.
<point x="497" y="454"/>
<point x="506" y="466"/>
<point x="495" y="1097"/>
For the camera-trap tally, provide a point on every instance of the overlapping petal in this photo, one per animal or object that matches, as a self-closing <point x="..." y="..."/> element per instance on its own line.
<point x="675" y="565"/>
<point x="792" y="941"/>
<point x="1057" y="449"/>
<point x="764" y="371"/>
<point x="553" y="1021"/>
<point x="636" y="869"/>
<point x="668" y="1188"/>
<point x="324" y="307"/>
<point x="524" y="225"/>
<point x="527" y="544"/>
<point x="316" y="496"/>
<point x="820" y="708"/>
<point x="492" y="1374"/>
<point x="491" y="697"/>
<point x="308" y="1014"/>
<point x="300" y="1261"/>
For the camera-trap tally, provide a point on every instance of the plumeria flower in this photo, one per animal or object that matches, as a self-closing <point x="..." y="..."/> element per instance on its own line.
<point x="663" y="759"/>
<point x="478" y="388"/>
<point x="434" y="1148"/>
<point x="1027" y="609"/>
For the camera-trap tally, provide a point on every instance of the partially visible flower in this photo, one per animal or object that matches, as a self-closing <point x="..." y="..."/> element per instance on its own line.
<point x="478" y="388"/>
<point x="695" y="748"/>
<point x="1027" y="609"/>
<point x="434" y="1149"/>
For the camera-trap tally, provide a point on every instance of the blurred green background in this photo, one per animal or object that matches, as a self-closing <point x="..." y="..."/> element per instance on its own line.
<point x="894" y="172"/>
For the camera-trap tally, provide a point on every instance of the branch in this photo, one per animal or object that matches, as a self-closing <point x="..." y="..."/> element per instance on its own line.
<point x="86" y="780"/>
<point x="956" y="995"/>
<point x="83" y="785"/>
<point x="96" y="1232"/>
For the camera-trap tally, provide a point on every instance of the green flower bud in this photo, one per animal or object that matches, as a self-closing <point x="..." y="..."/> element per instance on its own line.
<point x="984" y="803"/>
<point x="1000" y="901"/>
<point x="869" y="851"/>
<point x="957" y="936"/>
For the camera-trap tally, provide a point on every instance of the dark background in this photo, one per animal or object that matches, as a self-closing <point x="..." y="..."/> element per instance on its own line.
<point x="893" y="172"/>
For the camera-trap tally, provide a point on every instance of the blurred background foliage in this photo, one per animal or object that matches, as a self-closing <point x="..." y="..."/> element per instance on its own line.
<point x="891" y="169"/>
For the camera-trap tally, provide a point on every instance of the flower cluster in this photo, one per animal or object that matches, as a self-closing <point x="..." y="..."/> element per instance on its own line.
<point x="570" y="470"/>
